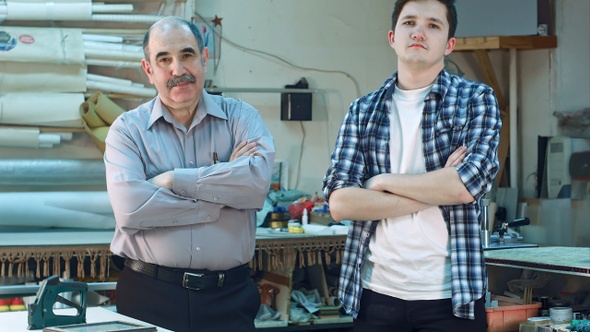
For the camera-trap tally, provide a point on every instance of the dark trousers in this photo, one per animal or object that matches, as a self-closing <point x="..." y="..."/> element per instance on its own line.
<point x="229" y="308"/>
<point x="380" y="313"/>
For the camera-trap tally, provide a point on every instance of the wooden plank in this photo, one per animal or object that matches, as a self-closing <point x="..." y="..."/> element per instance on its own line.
<point x="505" y="42"/>
<point x="501" y="179"/>
<point x="504" y="145"/>
<point x="486" y="65"/>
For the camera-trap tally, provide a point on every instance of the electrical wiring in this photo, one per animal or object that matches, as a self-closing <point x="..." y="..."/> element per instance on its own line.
<point x="278" y="58"/>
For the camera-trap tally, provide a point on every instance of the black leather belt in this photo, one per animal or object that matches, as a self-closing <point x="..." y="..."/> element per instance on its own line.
<point x="191" y="279"/>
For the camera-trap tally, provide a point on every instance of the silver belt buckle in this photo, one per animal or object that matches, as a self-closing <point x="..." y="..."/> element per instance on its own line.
<point x="185" y="279"/>
<point x="220" y="279"/>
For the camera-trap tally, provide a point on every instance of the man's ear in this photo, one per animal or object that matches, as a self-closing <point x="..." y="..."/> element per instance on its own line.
<point x="450" y="46"/>
<point x="147" y="68"/>
<point x="205" y="55"/>
<point x="391" y="37"/>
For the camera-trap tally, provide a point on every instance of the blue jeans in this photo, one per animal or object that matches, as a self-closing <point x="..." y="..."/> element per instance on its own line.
<point x="380" y="313"/>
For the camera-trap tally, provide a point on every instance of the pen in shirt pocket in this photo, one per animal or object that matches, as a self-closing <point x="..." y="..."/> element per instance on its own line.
<point x="214" y="158"/>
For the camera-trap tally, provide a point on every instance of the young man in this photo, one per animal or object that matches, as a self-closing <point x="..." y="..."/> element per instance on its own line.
<point x="185" y="174"/>
<point x="411" y="163"/>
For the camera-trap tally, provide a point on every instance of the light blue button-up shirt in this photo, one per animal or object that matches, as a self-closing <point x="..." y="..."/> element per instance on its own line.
<point x="207" y="220"/>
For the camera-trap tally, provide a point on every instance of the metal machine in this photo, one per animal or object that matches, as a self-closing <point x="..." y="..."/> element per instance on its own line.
<point x="41" y="313"/>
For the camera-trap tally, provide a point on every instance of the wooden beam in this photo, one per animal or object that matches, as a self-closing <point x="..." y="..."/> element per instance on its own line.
<point x="490" y="76"/>
<point x="504" y="42"/>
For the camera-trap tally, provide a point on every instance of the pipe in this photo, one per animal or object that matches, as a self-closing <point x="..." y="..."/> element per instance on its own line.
<point x="51" y="172"/>
<point x="116" y="8"/>
<point x="137" y="18"/>
<point x="131" y="90"/>
<point x="113" y="63"/>
<point x="102" y="38"/>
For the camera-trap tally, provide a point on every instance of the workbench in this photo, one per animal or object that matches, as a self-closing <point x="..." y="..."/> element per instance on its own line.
<point x="562" y="260"/>
<point x="17" y="321"/>
<point x="274" y="250"/>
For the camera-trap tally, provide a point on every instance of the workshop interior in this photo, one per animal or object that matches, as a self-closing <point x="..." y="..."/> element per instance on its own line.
<point x="69" y="68"/>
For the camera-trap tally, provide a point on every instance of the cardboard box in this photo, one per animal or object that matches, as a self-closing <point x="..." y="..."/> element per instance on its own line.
<point x="508" y="317"/>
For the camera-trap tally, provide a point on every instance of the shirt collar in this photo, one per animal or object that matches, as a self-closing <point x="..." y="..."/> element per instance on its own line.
<point x="440" y="85"/>
<point x="206" y="106"/>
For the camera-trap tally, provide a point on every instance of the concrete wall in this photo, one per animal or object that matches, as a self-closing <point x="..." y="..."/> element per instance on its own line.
<point x="274" y="43"/>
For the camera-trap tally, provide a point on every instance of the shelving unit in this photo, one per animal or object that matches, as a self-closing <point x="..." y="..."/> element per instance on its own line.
<point x="481" y="47"/>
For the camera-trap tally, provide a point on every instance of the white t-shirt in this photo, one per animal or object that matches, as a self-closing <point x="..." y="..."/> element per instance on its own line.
<point x="409" y="256"/>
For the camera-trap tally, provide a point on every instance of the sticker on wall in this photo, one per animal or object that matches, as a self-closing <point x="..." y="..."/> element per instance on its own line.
<point x="7" y="42"/>
<point x="210" y="29"/>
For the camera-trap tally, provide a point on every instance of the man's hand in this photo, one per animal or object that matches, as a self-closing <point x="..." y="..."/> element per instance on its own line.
<point x="456" y="157"/>
<point x="164" y="180"/>
<point x="244" y="149"/>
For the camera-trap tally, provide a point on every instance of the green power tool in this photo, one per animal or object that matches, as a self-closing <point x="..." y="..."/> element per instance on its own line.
<point x="41" y="312"/>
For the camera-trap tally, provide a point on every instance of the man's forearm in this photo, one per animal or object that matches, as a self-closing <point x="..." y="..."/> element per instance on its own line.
<point x="365" y="204"/>
<point x="440" y="187"/>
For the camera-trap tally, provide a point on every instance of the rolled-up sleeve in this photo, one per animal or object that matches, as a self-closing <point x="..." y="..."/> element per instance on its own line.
<point x="347" y="160"/>
<point x="480" y="167"/>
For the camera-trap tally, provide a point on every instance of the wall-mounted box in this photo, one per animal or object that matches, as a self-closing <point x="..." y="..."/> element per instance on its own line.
<point x="482" y="18"/>
<point x="296" y="106"/>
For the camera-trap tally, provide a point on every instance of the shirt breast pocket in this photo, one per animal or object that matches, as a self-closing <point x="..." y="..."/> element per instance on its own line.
<point x="451" y="130"/>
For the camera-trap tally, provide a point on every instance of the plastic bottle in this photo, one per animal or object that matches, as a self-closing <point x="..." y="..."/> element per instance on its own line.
<point x="304" y="218"/>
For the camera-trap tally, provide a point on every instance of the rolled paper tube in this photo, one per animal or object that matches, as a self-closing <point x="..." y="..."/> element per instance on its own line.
<point x="50" y="11"/>
<point x="102" y="38"/>
<point x="118" y="8"/>
<point x="109" y="79"/>
<point x="102" y="46"/>
<point x="113" y="63"/>
<point x="116" y="88"/>
<point x="19" y="137"/>
<point x="127" y="18"/>
<point x="44" y="45"/>
<point x="49" y="139"/>
<point x="65" y="136"/>
<point x="92" y="53"/>
<point x="106" y="108"/>
<point x="88" y="113"/>
<point x="29" y="76"/>
<point x="98" y="135"/>
<point x="41" y="109"/>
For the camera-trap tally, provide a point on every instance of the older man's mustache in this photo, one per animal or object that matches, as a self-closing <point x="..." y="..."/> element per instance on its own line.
<point x="186" y="78"/>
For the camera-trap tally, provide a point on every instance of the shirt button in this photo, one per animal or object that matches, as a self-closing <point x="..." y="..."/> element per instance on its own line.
<point x="208" y="218"/>
<point x="191" y="162"/>
<point x="215" y="198"/>
<point x="174" y="221"/>
<point x="198" y="248"/>
<point x="183" y="192"/>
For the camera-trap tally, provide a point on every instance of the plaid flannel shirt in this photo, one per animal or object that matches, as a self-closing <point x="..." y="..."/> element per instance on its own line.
<point x="456" y="112"/>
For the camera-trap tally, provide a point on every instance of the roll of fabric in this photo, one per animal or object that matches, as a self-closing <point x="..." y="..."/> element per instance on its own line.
<point x="20" y="76"/>
<point x="41" y="109"/>
<point x="69" y="209"/>
<point x="49" y="172"/>
<point x="98" y="113"/>
<point x="43" y="45"/>
<point x="57" y="10"/>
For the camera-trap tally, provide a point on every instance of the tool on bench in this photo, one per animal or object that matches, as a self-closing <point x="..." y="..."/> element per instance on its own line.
<point x="41" y="313"/>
